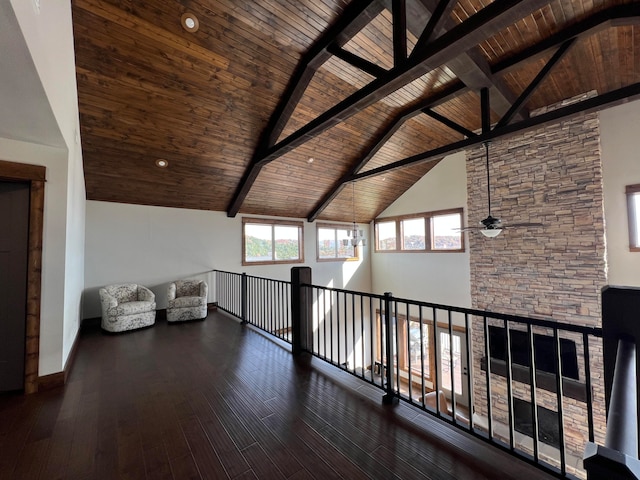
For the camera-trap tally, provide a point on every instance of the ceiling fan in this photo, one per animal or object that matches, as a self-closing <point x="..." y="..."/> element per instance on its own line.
<point x="492" y="226"/>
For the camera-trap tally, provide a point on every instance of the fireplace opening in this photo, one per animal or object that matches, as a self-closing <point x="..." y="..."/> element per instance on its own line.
<point x="548" y="428"/>
<point x="544" y="351"/>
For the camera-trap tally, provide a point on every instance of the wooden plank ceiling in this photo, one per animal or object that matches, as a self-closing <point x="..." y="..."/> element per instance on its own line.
<point x="239" y="107"/>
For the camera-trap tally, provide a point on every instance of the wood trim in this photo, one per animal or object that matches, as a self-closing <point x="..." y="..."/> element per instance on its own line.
<point x="59" y="379"/>
<point x="22" y="171"/>
<point x="632" y="188"/>
<point x="49" y="382"/>
<point x="34" y="284"/>
<point x="36" y="176"/>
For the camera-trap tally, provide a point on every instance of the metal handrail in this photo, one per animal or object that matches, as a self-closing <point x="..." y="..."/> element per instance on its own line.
<point x="365" y="334"/>
<point x="622" y="418"/>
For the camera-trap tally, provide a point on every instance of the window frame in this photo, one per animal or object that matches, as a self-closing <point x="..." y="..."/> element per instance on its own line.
<point x="401" y="357"/>
<point x="633" y="217"/>
<point x="335" y="227"/>
<point x="273" y="223"/>
<point x="428" y="247"/>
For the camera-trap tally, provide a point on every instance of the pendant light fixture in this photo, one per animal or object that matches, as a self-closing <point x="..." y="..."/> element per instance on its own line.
<point x="356" y="235"/>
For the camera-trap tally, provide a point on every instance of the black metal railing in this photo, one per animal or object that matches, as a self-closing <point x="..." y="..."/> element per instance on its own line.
<point x="230" y="293"/>
<point x="493" y="375"/>
<point x="262" y="302"/>
<point x="523" y="384"/>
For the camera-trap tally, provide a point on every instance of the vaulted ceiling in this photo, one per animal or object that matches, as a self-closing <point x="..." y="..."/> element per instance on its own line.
<point x="273" y="107"/>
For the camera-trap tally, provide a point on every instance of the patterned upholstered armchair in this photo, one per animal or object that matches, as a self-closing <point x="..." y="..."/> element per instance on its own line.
<point x="187" y="300"/>
<point x="126" y="307"/>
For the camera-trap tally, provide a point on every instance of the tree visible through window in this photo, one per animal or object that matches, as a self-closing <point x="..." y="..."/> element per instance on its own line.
<point x="413" y="234"/>
<point x="331" y="243"/>
<point x="421" y="232"/>
<point x="386" y="235"/>
<point x="446" y="234"/>
<point x="271" y="241"/>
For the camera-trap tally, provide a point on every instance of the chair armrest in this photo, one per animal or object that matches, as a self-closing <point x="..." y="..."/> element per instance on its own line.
<point x="204" y="289"/>
<point x="145" y="295"/>
<point x="171" y="291"/>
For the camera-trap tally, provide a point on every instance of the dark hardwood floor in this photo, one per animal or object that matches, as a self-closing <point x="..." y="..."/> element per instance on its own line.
<point x="214" y="399"/>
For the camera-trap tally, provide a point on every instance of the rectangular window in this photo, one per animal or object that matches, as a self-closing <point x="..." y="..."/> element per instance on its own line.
<point x="446" y="232"/>
<point x="267" y="241"/>
<point x="334" y="243"/>
<point x="413" y="233"/>
<point x="386" y="235"/>
<point x="421" y="232"/>
<point x="633" y="212"/>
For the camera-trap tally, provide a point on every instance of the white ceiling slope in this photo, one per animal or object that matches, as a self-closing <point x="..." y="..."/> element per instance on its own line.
<point x="25" y="112"/>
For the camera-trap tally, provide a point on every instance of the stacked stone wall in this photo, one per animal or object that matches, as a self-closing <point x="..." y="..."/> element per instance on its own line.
<point x="551" y="175"/>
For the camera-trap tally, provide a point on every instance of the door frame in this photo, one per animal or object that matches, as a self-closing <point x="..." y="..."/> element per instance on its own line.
<point x="36" y="176"/>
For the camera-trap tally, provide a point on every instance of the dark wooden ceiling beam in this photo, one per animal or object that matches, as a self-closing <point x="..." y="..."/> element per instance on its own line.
<point x="442" y="9"/>
<point x="482" y="25"/>
<point x="358" y="62"/>
<point x="448" y="122"/>
<point x="615" y="14"/>
<point x="535" y="83"/>
<point x="609" y="99"/>
<point x="470" y="66"/>
<point x="386" y="134"/>
<point x="356" y="16"/>
<point x="399" y="14"/>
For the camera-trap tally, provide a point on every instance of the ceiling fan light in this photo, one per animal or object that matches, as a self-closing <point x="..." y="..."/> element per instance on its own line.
<point x="491" y="232"/>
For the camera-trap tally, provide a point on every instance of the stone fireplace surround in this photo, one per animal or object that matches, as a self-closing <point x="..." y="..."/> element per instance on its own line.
<point x="551" y="175"/>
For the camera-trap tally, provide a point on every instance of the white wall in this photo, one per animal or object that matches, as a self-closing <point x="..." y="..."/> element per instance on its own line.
<point x="432" y="277"/>
<point x="48" y="34"/>
<point x="620" y="146"/>
<point x="156" y="245"/>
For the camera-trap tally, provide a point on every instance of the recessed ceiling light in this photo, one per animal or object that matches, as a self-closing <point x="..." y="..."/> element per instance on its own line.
<point x="190" y="22"/>
<point x="162" y="163"/>
<point x="310" y="160"/>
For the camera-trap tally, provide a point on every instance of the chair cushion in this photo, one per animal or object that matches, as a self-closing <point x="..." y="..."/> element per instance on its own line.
<point x="130" y="308"/>
<point x="183" y="302"/>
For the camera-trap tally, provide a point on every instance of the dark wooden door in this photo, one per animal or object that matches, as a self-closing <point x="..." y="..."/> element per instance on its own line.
<point x="14" y="238"/>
